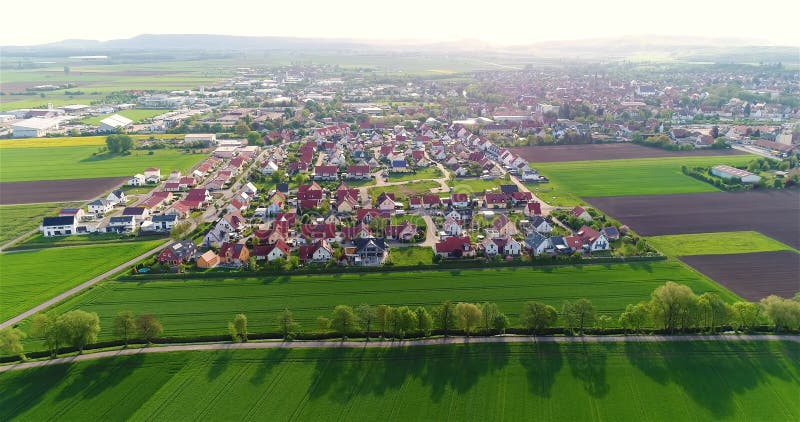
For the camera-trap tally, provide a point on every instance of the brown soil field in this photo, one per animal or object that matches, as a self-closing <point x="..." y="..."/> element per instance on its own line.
<point x="773" y="213"/>
<point x="752" y="276"/>
<point x="56" y="190"/>
<point x="618" y="151"/>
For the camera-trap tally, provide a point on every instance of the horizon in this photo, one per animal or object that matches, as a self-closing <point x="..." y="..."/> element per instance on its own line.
<point x="507" y="24"/>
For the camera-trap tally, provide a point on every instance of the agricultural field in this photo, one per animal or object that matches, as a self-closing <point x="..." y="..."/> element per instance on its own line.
<point x="71" y="141"/>
<point x="772" y="213"/>
<point x="38" y="241"/>
<point x="137" y="115"/>
<point x="645" y="176"/>
<point x="411" y="255"/>
<point x="27" y="164"/>
<point x="201" y="306"/>
<point x="38" y="191"/>
<point x="16" y="220"/>
<point x="475" y="185"/>
<point x="752" y="276"/>
<point x="31" y="277"/>
<point x="580" y="382"/>
<point x="405" y="190"/>
<point x="716" y="243"/>
<point x="424" y="173"/>
<point x="617" y="151"/>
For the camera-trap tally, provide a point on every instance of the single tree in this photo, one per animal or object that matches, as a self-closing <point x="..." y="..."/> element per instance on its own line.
<point x="603" y="322"/>
<point x="424" y="321"/>
<point x="468" y="316"/>
<point x="238" y="328"/>
<point x="407" y="320"/>
<point x="393" y="321"/>
<point x="489" y="312"/>
<point x="343" y="320"/>
<point x="501" y="323"/>
<point x="673" y="306"/>
<point x="578" y="314"/>
<point x="745" y="315"/>
<point x="11" y="341"/>
<point x="784" y="313"/>
<point x="286" y="323"/>
<point x="381" y="312"/>
<point x="48" y="328"/>
<point x="148" y="327"/>
<point x="634" y="317"/>
<point x="81" y="328"/>
<point x="125" y="325"/>
<point x="366" y="317"/>
<point x="536" y="316"/>
<point x="323" y="324"/>
<point x="444" y="317"/>
<point x="713" y="312"/>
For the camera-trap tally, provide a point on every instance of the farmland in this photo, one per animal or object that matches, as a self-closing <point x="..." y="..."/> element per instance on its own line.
<point x="646" y="176"/>
<point x="38" y="191"/>
<point x="71" y="141"/>
<point x="615" y="381"/>
<point x="26" y="164"/>
<point x="616" y="151"/>
<point x="715" y="243"/>
<point x="16" y="220"/>
<point x="201" y="306"/>
<point x="137" y="115"/>
<point x="772" y="213"/>
<point x="31" y="277"/>
<point x="753" y="275"/>
<point x="472" y="186"/>
<point x="405" y="190"/>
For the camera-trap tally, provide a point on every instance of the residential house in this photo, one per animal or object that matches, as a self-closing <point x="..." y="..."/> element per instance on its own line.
<point x="209" y="259"/>
<point x="459" y="200"/>
<point x="369" y="251"/>
<point x="504" y="226"/>
<point x="100" y="206"/>
<point x="509" y="189"/>
<point x="358" y="172"/>
<point x="593" y="240"/>
<point x="611" y="232"/>
<point x="140" y="214"/>
<point x="271" y="252"/>
<point x="404" y="231"/>
<point x="117" y="197"/>
<point x="532" y="209"/>
<point x="537" y="244"/>
<point x="234" y="254"/>
<point x="78" y="213"/>
<point x="178" y="253"/>
<point x="452" y="227"/>
<point x="123" y="224"/>
<point x="455" y="247"/>
<point x="137" y="180"/>
<point x="152" y="175"/>
<point x="495" y="200"/>
<point x="276" y="203"/>
<point x="322" y="231"/>
<point x="232" y="222"/>
<point x="326" y="172"/>
<point x="347" y="204"/>
<point x="540" y="224"/>
<point x="59" y="226"/>
<point x="319" y="251"/>
<point x="164" y="222"/>
<point x="358" y="231"/>
<point x="581" y="213"/>
<point x="505" y="245"/>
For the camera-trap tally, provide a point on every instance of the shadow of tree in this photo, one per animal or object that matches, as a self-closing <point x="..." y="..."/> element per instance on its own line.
<point x="541" y="362"/>
<point x="587" y="363"/>
<point x="272" y="359"/>
<point x="25" y="389"/>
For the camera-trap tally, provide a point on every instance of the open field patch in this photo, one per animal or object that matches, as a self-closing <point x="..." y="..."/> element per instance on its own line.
<point x="58" y="163"/>
<point x="16" y="220"/>
<point x="475" y="185"/>
<point x="618" y="151"/>
<point x="772" y="213"/>
<point x="480" y="382"/>
<point x="137" y="115"/>
<point x="71" y="141"/>
<point x="56" y="190"/>
<point x="752" y="276"/>
<point x="405" y="190"/>
<point x="201" y="306"/>
<point x="424" y="173"/>
<point x="645" y="176"/>
<point x="32" y="277"/>
<point x="716" y="243"/>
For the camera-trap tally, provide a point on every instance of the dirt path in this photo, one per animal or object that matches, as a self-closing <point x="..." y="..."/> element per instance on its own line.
<point x="279" y="344"/>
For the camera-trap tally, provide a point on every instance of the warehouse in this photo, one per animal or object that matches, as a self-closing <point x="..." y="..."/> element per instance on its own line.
<point x="34" y="127"/>
<point x="114" y="122"/>
<point x="728" y="172"/>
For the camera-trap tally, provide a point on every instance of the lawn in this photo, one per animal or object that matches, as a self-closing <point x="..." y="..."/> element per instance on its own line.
<point x="71" y="141"/>
<point x="405" y="190"/>
<point x="645" y="176"/>
<point x="137" y="115"/>
<point x="30" y="278"/>
<point x="201" y="306"/>
<point x="471" y="186"/>
<point x="723" y="243"/>
<point x="38" y="241"/>
<point x="479" y="382"/>
<point x="16" y="220"/>
<point x="57" y="163"/>
<point x="411" y="255"/>
<point x="424" y="173"/>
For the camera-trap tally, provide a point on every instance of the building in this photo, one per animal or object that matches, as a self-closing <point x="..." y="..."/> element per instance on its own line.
<point x="114" y="123"/>
<point x="178" y="253"/>
<point x="59" y="226"/>
<point x="728" y="172"/>
<point x="35" y="127"/>
<point x="208" y="260"/>
<point x="206" y="138"/>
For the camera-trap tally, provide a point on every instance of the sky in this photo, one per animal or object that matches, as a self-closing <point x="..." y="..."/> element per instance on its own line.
<point x="498" y="21"/>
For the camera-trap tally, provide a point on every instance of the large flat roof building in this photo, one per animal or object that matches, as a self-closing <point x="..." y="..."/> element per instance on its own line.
<point x="728" y="172"/>
<point x="114" y="122"/>
<point x="35" y="127"/>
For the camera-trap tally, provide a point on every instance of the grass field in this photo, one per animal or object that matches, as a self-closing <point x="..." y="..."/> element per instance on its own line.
<point x="411" y="255"/>
<point x="57" y="163"/>
<point x="30" y="278"/>
<point x="137" y="115"/>
<point x="570" y="382"/>
<point x="16" y="220"/>
<point x="723" y="243"/>
<point x="202" y="307"/>
<point x="71" y="141"/>
<point x="645" y="176"/>
<point x="424" y="173"/>
<point x="475" y="185"/>
<point x="38" y="241"/>
<point x="406" y="190"/>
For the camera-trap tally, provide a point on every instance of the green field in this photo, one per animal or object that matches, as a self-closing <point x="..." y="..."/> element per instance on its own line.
<point x="571" y="382"/>
<point x="137" y="115"/>
<point x="29" y="278"/>
<point x="23" y="164"/>
<point x="39" y="241"/>
<point x="411" y="255"/>
<point x="476" y="185"/>
<point x="405" y="190"/>
<point x="716" y="243"/>
<point x="202" y="306"/>
<point x="16" y="220"/>
<point x="424" y="173"/>
<point x="72" y="141"/>
<point x="644" y="176"/>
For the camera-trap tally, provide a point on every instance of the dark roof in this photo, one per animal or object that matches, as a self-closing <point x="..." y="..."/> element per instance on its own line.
<point x="509" y="189"/>
<point x="133" y="211"/>
<point x="282" y="187"/>
<point x="361" y="243"/>
<point x="99" y="202"/>
<point x="59" y="221"/>
<point x="164" y="217"/>
<point x="125" y="219"/>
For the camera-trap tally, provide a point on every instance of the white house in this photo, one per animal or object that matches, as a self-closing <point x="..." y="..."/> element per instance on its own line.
<point x="137" y="180"/>
<point x="537" y="244"/>
<point x="152" y="175"/>
<point x="540" y="224"/>
<point x="59" y="226"/>
<point x="117" y="197"/>
<point x="100" y="206"/>
<point x="452" y="227"/>
<point x="124" y="224"/>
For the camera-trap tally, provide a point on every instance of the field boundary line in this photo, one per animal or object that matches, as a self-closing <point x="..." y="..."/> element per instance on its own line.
<point x="314" y="344"/>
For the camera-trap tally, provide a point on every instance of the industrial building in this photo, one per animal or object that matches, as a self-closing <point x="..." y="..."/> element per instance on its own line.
<point x="728" y="172"/>
<point x="114" y="122"/>
<point x="35" y="127"/>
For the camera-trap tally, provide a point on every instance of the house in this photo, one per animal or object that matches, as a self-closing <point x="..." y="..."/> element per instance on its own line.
<point x="359" y="231"/>
<point x="271" y="252"/>
<point x="282" y="188"/>
<point x="347" y="204"/>
<point x="250" y="189"/>
<point x="537" y="244"/>
<point x="593" y="240"/>
<point x="234" y="254"/>
<point x="276" y="203"/>
<point x="137" y="180"/>
<point x="455" y="247"/>
<point x="123" y="224"/>
<point x="495" y="200"/>
<point x="232" y="222"/>
<point x="152" y="175"/>
<point x="504" y="226"/>
<point x="178" y="253"/>
<point x="209" y="259"/>
<point x="78" y="213"/>
<point x="269" y="237"/>
<point x="200" y="195"/>
<point x="521" y="197"/>
<point x="509" y="189"/>
<point x="611" y="232"/>
<point x="358" y="172"/>
<point x="367" y="215"/>
<point x="322" y="231"/>
<point x="319" y="251"/>
<point x="239" y="203"/>
<point x="369" y="251"/>
<point x="138" y="213"/>
<point x="117" y="197"/>
<point x="459" y="200"/>
<point x="431" y="201"/>
<point x="532" y="209"/>
<point x="172" y="187"/>
<point x="403" y="232"/>
<point x="540" y="224"/>
<point x="505" y="245"/>
<point x="164" y="222"/>
<point x="269" y="167"/>
<point x="326" y="172"/>
<point x="452" y="227"/>
<point x="59" y="226"/>
<point x="581" y="213"/>
<point x="100" y="206"/>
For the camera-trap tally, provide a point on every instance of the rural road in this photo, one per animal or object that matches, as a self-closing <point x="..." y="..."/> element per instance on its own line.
<point x="279" y="344"/>
<point x="79" y="288"/>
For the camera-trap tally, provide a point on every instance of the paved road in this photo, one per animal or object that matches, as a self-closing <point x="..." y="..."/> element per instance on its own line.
<point x="80" y="288"/>
<point x="279" y="344"/>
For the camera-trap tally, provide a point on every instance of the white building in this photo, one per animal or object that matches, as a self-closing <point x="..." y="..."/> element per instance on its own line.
<point x="34" y="128"/>
<point x="115" y="122"/>
<point x="728" y="172"/>
<point x="207" y="138"/>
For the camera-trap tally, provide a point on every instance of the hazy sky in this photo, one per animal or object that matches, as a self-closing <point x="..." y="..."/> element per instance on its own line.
<point x="507" y="22"/>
